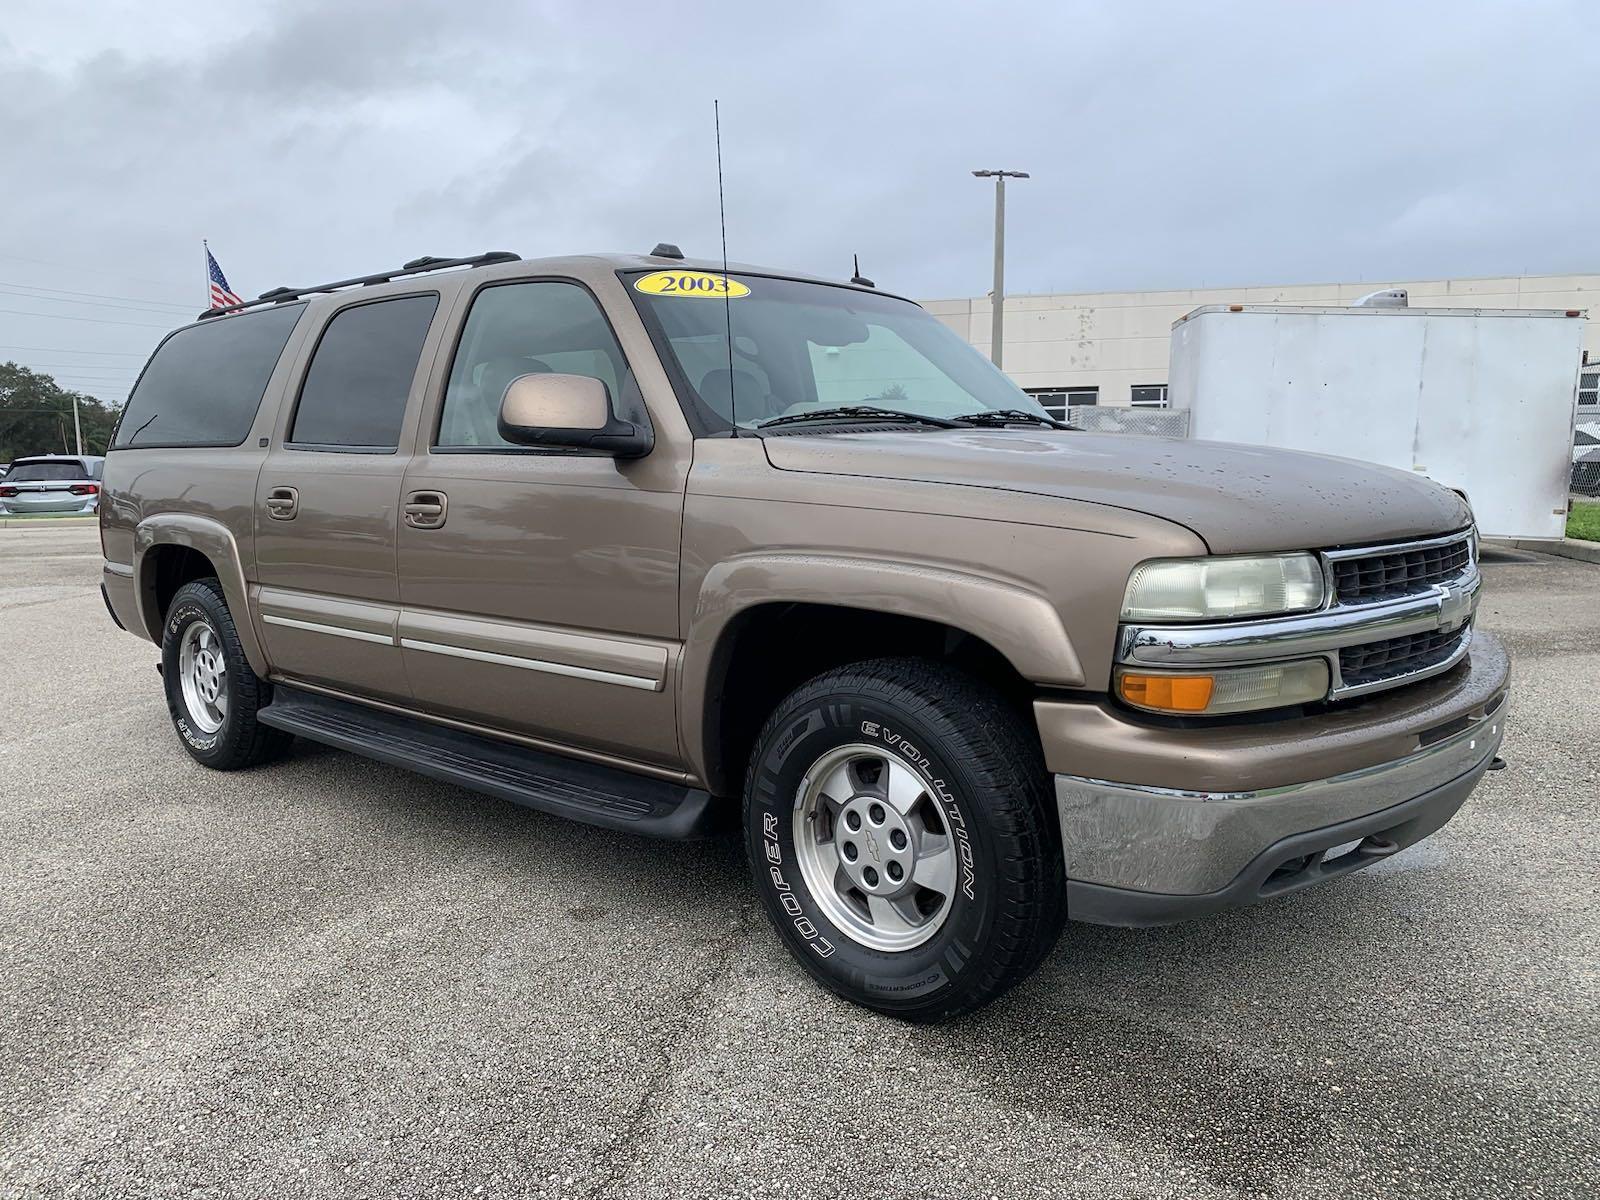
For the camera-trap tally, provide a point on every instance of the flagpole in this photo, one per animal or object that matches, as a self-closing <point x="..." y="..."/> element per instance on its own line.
<point x="205" y="249"/>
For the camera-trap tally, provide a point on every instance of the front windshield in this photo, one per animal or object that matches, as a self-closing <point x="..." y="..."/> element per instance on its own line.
<point x="800" y="347"/>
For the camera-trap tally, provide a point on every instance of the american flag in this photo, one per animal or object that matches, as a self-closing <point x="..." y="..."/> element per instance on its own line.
<point x="221" y="294"/>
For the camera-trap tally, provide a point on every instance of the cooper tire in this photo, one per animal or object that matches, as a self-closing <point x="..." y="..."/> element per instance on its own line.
<point x="212" y="693"/>
<point x="984" y="781"/>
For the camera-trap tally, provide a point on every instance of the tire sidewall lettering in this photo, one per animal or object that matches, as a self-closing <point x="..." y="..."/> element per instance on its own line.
<point x="905" y="974"/>
<point x="879" y="732"/>
<point x="179" y="618"/>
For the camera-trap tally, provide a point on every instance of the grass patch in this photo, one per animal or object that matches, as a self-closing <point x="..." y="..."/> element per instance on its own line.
<point x="1584" y="520"/>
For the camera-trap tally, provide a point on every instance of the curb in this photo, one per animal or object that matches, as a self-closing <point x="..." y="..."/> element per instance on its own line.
<point x="24" y="524"/>
<point x="1565" y="548"/>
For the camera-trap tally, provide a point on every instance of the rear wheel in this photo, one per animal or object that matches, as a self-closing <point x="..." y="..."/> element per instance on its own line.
<point x="212" y="693"/>
<point x="901" y="833"/>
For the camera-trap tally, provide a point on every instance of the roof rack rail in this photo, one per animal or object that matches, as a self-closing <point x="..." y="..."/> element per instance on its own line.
<point x="417" y="266"/>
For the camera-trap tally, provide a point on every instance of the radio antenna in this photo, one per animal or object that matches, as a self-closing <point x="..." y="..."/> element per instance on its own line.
<point x="727" y="300"/>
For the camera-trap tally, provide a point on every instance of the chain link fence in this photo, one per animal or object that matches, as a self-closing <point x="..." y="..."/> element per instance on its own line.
<point x="1152" y="422"/>
<point x="1586" y="435"/>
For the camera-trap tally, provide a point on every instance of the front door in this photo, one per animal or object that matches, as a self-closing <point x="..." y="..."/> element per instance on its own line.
<point x="328" y="500"/>
<point x="538" y="588"/>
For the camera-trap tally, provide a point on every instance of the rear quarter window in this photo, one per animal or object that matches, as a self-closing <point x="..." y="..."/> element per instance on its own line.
<point x="203" y="385"/>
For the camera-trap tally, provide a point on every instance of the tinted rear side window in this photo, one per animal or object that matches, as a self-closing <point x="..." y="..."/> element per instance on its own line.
<point x="204" y="383"/>
<point x="356" y="388"/>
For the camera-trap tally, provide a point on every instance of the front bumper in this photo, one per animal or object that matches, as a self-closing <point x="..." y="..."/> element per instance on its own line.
<point x="1149" y="853"/>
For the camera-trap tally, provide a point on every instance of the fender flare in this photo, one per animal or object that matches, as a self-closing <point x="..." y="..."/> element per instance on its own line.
<point x="1020" y="623"/>
<point x="213" y="539"/>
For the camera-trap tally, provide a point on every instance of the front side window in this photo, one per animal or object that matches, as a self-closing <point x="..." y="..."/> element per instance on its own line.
<point x="204" y="383"/>
<point x="517" y="329"/>
<point x="355" y="391"/>
<point x="798" y="346"/>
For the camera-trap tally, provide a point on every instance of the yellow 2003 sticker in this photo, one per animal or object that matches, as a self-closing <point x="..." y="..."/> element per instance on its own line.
<point x="701" y="284"/>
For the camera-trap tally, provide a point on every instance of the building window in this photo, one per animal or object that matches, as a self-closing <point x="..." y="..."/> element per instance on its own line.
<point x="1151" y="395"/>
<point x="1056" y="401"/>
<point x="1589" y="387"/>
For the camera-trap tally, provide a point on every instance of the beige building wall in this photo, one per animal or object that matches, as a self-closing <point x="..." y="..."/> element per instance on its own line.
<point x="1119" y="340"/>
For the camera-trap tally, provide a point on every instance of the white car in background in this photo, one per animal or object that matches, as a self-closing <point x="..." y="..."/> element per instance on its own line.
<point x="52" y="483"/>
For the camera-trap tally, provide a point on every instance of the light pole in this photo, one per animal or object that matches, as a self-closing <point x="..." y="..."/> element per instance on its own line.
<point x="997" y="328"/>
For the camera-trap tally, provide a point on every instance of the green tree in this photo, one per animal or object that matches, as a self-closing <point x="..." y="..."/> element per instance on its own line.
<point x="36" y="416"/>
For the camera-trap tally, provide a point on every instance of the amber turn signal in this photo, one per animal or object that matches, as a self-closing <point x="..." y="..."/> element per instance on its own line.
<point x="1167" y="693"/>
<point x="1225" y="689"/>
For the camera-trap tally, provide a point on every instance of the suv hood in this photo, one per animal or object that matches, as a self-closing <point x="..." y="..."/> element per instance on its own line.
<point x="1239" y="499"/>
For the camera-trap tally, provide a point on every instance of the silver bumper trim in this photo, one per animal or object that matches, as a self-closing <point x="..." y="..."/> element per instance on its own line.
<point x="1444" y="539"/>
<point x="1322" y="632"/>
<point x="1175" y="841"/>
<point x="1442" y="608"/>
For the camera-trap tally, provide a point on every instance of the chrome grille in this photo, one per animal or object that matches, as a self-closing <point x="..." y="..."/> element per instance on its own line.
<point x="1395" y="658"/>
<point x="1395" y="614"/>
<point x="1398" y="570"/>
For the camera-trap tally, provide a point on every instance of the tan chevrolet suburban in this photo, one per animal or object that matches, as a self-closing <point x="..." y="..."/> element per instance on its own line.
<point x="669" y="549"/>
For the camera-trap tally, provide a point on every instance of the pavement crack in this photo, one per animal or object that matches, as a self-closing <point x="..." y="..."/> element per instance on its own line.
<point x="624" y="1145"/>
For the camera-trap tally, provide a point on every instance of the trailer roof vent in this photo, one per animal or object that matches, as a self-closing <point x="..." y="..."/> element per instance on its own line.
<point x="1386" y="298"/>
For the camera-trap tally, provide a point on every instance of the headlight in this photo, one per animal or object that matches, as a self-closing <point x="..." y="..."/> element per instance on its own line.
<point x="1225" y="690"/>
<point x="1215" y="589"/>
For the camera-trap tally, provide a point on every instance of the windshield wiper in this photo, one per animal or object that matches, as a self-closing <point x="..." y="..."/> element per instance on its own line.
<point x="847" y="412"/>
<point x="141" y="429"/>
<point x="1010" y="416"/>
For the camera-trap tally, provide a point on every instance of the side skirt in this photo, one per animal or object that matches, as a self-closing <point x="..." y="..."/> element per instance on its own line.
<point x="566" y="787"/>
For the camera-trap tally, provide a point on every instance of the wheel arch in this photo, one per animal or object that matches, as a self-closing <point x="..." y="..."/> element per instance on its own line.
<point x="169" y="550"/>
<point x="764" y="623"/>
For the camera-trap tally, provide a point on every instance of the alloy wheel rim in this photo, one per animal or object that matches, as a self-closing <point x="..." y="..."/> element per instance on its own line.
<point x="203" y="674"/>
<point x="874" y="845"/>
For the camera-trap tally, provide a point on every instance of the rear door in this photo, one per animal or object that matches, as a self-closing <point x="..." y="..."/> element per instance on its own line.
<point x="327" y="498"/>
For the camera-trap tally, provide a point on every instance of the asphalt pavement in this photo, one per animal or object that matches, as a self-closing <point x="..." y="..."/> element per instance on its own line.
<point x="330" y="978"/>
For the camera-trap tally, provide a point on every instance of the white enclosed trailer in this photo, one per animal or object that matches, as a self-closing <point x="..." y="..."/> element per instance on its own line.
<point x="1478" y="399"/>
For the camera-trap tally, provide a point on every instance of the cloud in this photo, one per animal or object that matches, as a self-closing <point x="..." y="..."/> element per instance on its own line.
<point x="1170" y="144"/>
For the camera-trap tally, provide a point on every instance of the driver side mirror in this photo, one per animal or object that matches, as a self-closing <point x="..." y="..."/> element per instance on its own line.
<point x="569" y="411"/>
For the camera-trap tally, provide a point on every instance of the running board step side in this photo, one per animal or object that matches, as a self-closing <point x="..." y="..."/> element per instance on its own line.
<point x="566" y="787"/>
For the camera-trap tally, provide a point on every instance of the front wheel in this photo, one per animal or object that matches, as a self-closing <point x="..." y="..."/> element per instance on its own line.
<point x="900" y="831"/>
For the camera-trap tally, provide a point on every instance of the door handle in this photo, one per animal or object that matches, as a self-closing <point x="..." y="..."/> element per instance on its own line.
<point x="282" y="503"/>
<point x="426" y="510"/>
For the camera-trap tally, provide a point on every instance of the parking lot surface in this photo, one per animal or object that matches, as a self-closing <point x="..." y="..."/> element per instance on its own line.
<point x="329" y="978"/>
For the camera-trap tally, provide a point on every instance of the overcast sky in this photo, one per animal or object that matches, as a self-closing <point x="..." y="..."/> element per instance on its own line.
<point x="1171" y="145"/>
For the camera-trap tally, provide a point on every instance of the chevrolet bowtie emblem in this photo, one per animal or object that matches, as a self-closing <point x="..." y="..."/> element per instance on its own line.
<point x="1455" y="607"/>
